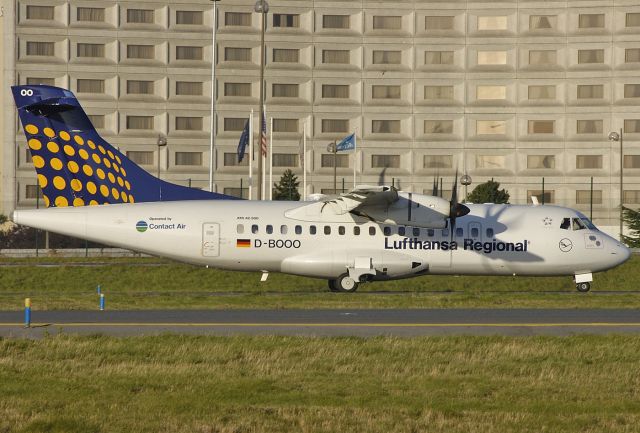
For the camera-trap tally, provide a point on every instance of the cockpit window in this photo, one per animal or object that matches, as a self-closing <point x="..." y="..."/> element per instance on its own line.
<point x="566" y="223"/>
<point x="578" y="224"/>
<point x="587" y="222"/>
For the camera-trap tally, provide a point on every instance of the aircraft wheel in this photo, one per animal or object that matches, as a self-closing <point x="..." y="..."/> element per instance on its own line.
<point x="332" y="285"/>
<point x="346" y="284"/>
<point x="583" y="287"/>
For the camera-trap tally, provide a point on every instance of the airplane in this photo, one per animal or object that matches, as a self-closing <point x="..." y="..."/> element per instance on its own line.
<point x="372" y="233"/>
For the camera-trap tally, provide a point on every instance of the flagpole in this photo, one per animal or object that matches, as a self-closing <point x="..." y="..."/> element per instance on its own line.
<point x="271" y="159"/>
<point x="304" y="161"/>
<point x="263" y="155"/>
<point x="250" y="154"/>
<point x="355" y="156"/>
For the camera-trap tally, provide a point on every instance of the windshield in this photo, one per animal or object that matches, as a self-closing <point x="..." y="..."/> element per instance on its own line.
<point x="580" y="223"/>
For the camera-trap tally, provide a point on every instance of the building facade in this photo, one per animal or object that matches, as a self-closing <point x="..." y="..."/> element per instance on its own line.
<point x="518" y="91"/>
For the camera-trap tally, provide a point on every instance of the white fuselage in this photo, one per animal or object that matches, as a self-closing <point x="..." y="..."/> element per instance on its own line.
<point x="283" y="237"/>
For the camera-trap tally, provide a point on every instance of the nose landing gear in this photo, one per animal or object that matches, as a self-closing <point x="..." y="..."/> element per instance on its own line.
<point x="583" y="282"/>
<point x="583" y="287"/>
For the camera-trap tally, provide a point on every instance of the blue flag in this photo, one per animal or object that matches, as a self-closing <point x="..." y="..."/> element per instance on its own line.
<point x="244" y="141"/>
<point x="347" y="143"/>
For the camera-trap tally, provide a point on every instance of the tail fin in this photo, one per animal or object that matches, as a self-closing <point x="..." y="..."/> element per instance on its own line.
<point x="77" y="167"/>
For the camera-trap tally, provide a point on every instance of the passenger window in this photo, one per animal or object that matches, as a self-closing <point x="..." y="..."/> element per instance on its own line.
<point x="387" y="231"/>
<point x="327" y="230"/>
<point x="312" y="230"/>
<point x="269" y="229"/>
<point x="578" y="224"/>
<point x="416" y="232"/>
<point x="341" y="230"/>
<point x="566" y="222"/>
<point x="254" y="229"/>
<point x="372" y="231"/>
<point x="431" y="233"/>
<point x="284" y="230"/>
<point x="298" y="230"/>
<point x="489" y="233"/>
<point x="401" y="231"/>
<point x="240" y="229"/>
<point x="445" y="232"/>
<point x="459" y="232"/>
<point x="475" y="232"/>
<point x="356" y="230"/>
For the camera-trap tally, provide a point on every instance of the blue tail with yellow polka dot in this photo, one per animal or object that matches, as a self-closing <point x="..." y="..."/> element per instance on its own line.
<point x="77" y="167"/>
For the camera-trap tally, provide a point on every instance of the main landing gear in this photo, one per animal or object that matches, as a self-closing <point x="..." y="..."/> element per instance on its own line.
<point x="344" y="283"/>
<point x="583" y="287"/>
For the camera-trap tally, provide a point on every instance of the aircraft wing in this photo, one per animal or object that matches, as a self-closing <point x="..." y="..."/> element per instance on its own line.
<point x="363" y="197"/>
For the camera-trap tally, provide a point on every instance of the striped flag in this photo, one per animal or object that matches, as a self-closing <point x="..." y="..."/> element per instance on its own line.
<point x="263" y="134"/>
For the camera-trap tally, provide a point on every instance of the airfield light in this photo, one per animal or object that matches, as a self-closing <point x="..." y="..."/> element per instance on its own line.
<point x="614" y="136"/>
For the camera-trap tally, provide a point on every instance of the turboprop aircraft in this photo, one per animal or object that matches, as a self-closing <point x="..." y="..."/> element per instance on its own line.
<point x="372" y="233"/>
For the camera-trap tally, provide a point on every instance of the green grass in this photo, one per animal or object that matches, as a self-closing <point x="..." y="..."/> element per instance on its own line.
<point x="153" y="283"/>
<point x="283" y="384"/>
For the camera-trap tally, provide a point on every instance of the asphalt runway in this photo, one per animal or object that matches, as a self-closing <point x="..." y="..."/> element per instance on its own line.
<point x="343" y="322"/>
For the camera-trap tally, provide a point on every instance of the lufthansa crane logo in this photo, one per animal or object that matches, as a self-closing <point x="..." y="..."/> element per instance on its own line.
<point x="565" y="245"/>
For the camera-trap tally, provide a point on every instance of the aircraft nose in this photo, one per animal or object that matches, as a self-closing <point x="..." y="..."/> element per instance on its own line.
<point x="621" y="252"/>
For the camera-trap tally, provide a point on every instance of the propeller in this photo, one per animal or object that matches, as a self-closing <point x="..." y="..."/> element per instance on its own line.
<point x="456" y="209"/>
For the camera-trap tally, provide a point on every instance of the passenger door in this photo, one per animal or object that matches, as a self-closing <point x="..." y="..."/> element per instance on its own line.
<point x="210" y="240"/>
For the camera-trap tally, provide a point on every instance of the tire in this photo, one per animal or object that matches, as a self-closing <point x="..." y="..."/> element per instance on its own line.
<point x="332" y="285"/>
<point x="345" y="284"/>
<point x="583" y="287"/>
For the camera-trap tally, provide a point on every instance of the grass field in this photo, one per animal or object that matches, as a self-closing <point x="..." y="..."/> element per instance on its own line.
<point x="153" y="283"/>
<point x="285" y="384"/>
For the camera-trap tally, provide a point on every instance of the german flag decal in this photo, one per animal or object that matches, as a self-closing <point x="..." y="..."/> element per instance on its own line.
<point x="243" y="243"/>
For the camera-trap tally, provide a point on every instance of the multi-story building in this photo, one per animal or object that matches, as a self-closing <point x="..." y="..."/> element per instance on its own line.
<point x="518" y="91"/>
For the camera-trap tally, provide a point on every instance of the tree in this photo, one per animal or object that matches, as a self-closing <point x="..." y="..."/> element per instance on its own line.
<point x="632" y="218"/>
<point x="488" y="192"/>
<point x="287" y="188"/>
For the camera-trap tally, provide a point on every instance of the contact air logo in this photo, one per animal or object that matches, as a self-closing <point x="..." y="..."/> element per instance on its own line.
<point x="142" y="226"/>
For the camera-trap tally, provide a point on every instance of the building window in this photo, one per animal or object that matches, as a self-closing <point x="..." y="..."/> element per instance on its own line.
<point x="285" y="159"/>
<point x="590" y="56"/>
<point x="138" y="87"/>
<point x="97" y="120"/>
<point x="491" y="127"/>
<point x="542" y="22"/>
<point x="188" y="158"/>
<point x="492" y="57"/>
<point x="588" y="162"/>
<point x="632" y="90"/>
<point x="385" y="161"/>
<point x="542" y="92"/>
<point x="631" y="196"/>
<point x="385" y="126"/>
<point x="286" y="20"/>
<point x="632" y="19"/>
<point x="139" y="122"/>
<point x="547" y="197"/>
<point x="188" y="53"/>
<point x="189" y="17"/>
<point x="438" y="23"/>
<point x="140" y="51"/>
<point x="285" y="125"/>
<point x="335" y="91"/>
<point x="386" y="57"/>
<point x="335" y="125"/>
<point x="286" y="55"/>
<point x="41" y="80"/>
<point x="285" y="90"/>
<point x="140" y="16"/>
<point x="631" y="161"/>
<point x="40" y="48"/>
<point x="632" y="55"/>
<point x="583" y="196"/>
<point x="234" y="123"/>
<point x="492" y="23"/>
<point x="242" y="19"/>
<point x="90" y="85"/>
<point x="237" y="89"/>
<point x="335" y="21"/>
<point x="90" y="14"/>
<point x="591" y="21"/>
<point x="438" y="92"/>
<point x="491" y="92"/>
<point x="438" y="58"/>
<point x="387" y="23"/>
<point x="32" y="192"/>
<point x="541" y="126"/>
<point x="543" y="57"/>
<point x="385" y="92"/>
<point x="438" y="161"/>
<point x="140" y="157"/>
<point x="336" y="56"/>
<point x="40" y="12"/>
<point x="184" y="123"/>
<point x="342" y="160"/>
<point x="490" y="161"/>
<point x="589" y="127"/>
<point x="90" y="50"/>
<point x="541" y="161"/>
<point x="231" y="160"/>
<point x="590" y="91"/>
<point x="438" y="126"/>
<point x="632" y="125"/>
<point x="233" y="54"/>
<point x="192" y="88"/>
